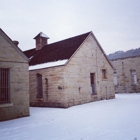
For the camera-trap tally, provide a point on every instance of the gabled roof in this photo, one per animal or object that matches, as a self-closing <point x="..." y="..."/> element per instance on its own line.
<point x="56" y="51"/>
<point x="62" y="50"/>
<point x="5" y="36"/>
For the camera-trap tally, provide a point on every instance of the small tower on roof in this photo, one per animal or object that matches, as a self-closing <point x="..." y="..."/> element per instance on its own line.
<point x="41" y="40"/>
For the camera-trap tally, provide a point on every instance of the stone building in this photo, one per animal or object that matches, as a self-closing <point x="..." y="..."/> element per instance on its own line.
<point x="127" y="74"/>
<point x="14" y="80"/>
<point x="69" y="72"/>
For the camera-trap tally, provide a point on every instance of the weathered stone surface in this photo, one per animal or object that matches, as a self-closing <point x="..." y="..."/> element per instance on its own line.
<point x="123" y="67"/>
<point x="19" y="82"/>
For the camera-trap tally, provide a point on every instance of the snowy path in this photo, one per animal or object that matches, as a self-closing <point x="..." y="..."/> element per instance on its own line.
<point x="117" y="119"/>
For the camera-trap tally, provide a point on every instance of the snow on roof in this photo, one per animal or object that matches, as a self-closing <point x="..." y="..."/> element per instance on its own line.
<point x="43" y="35"/>
<point x="31" y="57"/>
<point x="49" y="64"/>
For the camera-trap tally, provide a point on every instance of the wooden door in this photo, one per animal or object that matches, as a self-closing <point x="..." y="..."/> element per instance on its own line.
<point x="92" y="81"/>
<point x="39" y="86"/>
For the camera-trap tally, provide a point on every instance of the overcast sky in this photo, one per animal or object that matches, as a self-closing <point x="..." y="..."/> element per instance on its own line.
<point x="115" y="23"/>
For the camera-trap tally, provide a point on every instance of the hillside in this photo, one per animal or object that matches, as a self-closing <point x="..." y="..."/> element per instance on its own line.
<point x="122" y="54"/>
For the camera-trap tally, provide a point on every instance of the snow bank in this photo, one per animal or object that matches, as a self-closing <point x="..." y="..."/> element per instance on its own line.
<point x="49" y="64"/>
<point x="116" y="119"/>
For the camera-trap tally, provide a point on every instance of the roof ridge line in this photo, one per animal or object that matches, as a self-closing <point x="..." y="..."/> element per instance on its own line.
<point x="69" y="38"/>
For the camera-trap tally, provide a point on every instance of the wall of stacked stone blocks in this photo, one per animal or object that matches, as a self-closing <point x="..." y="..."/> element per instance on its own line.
<point x="70" y="85"/>
<point x="123" y="68"/>
<point x="19" y="82"/>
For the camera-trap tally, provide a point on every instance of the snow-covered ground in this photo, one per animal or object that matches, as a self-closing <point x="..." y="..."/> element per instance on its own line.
<point x="116" y="119"/>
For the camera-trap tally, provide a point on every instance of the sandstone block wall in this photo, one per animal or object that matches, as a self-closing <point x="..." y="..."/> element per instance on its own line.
<point x="19" y="91"/>
<point x="123" y="67"/>
<point x="53" y="92"/>
<point x="88" y="59"/>
<point x="19" y="82"/>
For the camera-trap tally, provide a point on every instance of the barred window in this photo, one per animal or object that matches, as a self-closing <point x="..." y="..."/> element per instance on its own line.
<point x="4" y="85"/>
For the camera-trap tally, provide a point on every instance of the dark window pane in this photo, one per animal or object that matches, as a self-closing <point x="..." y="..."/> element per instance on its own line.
<point x="92" y="78"/>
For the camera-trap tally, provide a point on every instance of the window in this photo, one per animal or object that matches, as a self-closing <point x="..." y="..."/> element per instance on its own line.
<point x="115" y="79"/>
<point x="92" y="78"/>
<point x="133" y="77"/>
<point x="39" y="86"/>
<point x="104" y="74"/>
<point x="4" y="85"/>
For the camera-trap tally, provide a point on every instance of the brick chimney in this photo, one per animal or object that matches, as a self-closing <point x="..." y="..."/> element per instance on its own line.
<point x="41" y="40"/>
<point x="15" y="42"/>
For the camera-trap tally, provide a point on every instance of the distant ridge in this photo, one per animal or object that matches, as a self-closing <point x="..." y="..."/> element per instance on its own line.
<point x="122" y="54"/>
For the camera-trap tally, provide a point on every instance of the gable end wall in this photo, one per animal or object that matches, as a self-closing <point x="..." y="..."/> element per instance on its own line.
<point x="88" y="59"/>
<point x="19" y="82"/>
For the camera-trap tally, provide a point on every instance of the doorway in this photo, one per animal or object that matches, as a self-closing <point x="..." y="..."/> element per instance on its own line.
<point x="39" y="86"/>
<point x="92" y="82"/>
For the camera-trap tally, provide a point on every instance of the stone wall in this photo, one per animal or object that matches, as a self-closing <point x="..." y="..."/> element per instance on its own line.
<point x="70" y="85"/>
<point x="53" y="92"/>
<point x="123" y="67"/>
<point x="88" y="59"/>
<point x="19" y="82"/>
<point x="19" y="91"/>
